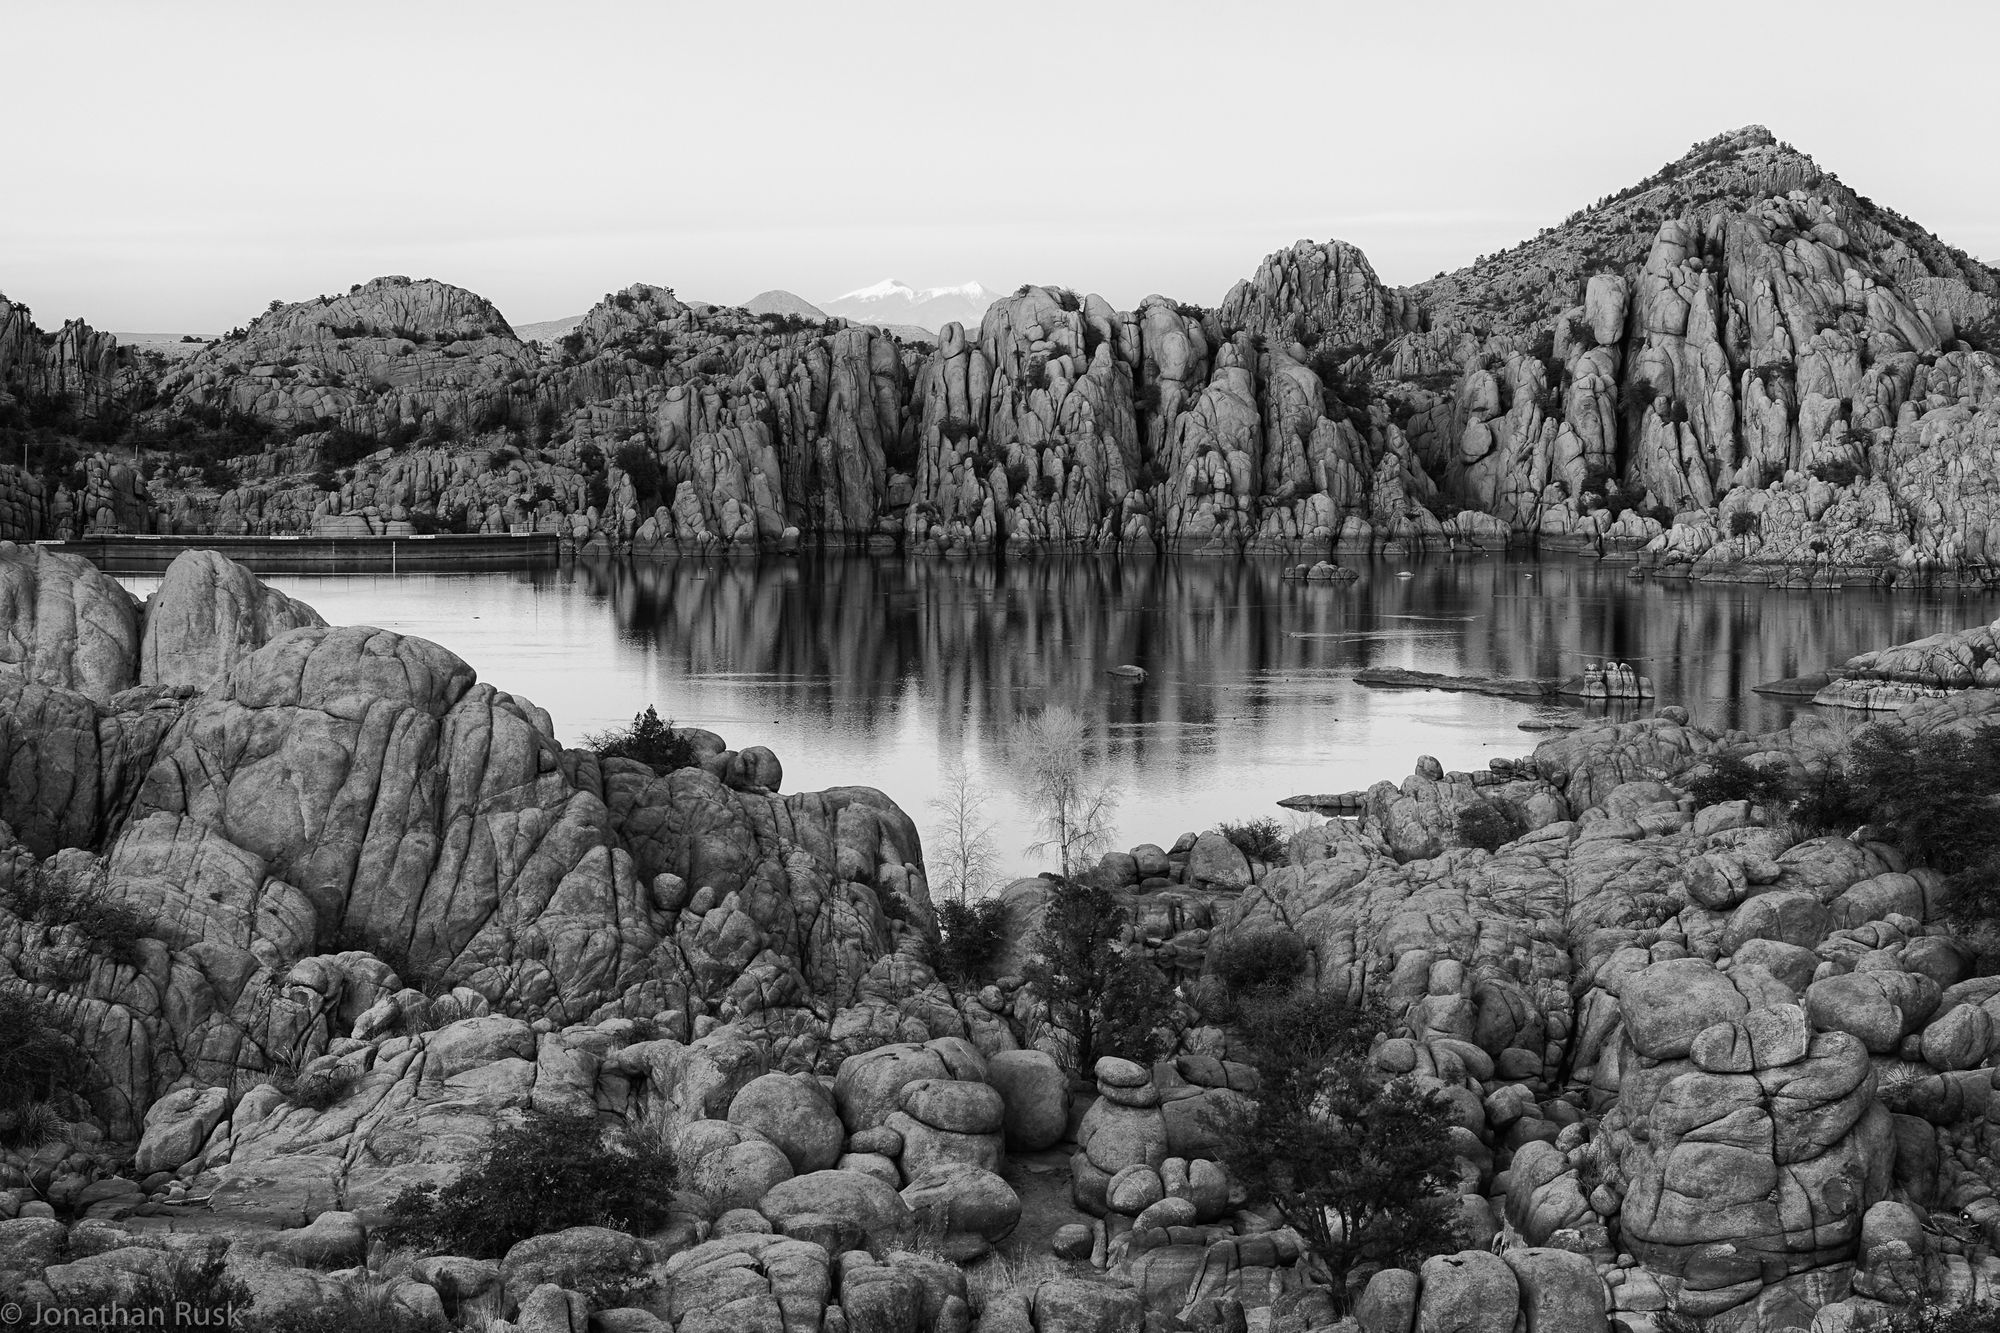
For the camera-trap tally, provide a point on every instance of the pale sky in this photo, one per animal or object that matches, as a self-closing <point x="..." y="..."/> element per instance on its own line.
<point x="173" y="167"/>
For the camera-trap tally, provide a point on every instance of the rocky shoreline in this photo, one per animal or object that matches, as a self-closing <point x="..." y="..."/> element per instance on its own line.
<point x="1700" y="1061"/>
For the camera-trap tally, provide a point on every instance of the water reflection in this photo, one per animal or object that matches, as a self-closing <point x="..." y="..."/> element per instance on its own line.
<point x="880" y="671"/>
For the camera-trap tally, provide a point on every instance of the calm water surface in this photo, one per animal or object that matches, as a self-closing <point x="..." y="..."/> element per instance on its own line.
<point x="882" y="672"/>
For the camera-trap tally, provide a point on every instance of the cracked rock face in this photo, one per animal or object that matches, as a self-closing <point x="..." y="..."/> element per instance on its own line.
<point x="332" y="790"/>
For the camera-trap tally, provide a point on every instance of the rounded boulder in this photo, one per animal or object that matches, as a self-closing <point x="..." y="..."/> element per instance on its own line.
<point x="954" y="1105"/>
<point x="872" y="1206"/>
<point x="1034" y="1095"/>
<point x="795" y="1113"/>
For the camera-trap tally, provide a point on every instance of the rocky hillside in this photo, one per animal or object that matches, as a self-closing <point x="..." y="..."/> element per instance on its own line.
<point x="1736" y="368"/>
<point x="1700" y="1060"/>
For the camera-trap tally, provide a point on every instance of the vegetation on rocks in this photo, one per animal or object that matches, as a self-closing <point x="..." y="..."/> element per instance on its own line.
<point x="649" y="741"/>
<point x="550" y="1171"/>
<point x="1730" y="777"/>
<point x="1258" y="839"/>
<point x="971" y="936"/>
<point x="39" y="1062"/>
<point x="1362" y="1165"/>
<point x="1255" y="965"/>
<point x="51" y="898"/>
<point x="1489" y="825"/>
<point x="187" y="1293"/>
<point x="1105" y="1000"/>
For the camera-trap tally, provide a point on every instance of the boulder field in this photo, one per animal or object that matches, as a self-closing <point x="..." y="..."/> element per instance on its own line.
<point x="1737" y="368"/>
<point x="1700" y="1063"/>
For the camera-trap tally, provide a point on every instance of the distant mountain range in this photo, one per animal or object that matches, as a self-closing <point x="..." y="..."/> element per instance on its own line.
<point x="914" y="314"/>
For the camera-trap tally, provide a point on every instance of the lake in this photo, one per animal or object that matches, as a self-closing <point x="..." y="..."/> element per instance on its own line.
<point x="882" y="671"/>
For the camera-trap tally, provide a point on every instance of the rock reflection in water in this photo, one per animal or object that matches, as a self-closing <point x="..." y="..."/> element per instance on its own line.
<point x="877" y="671"/>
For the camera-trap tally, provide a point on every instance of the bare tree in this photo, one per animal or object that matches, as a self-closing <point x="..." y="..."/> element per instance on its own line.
<point x="1072" y="816"/>
<point x="966" y="852"/>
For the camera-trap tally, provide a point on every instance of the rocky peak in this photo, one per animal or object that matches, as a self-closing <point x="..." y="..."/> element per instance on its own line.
<point x="420" y="311"/>
<point x="628" y="316"/>
<point x="1748" y="171"/>
<point x="1314" y="291"/>
<point x="76" y="362"/>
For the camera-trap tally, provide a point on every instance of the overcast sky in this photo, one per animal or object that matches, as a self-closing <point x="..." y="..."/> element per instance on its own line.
<point x="174" y="167"/>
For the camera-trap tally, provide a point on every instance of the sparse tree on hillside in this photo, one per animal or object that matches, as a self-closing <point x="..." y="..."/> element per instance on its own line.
<point x="1072" y="816"/>
<point x="965" y="850"/>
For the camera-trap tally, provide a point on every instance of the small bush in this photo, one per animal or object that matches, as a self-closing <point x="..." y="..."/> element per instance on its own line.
<point x="1258" y="962"/>
<point x="1743" y="523"/>
<point x="1828" y="802"/>
<point x="1926" y="1317"/>
<point x="322" y="1088"/>
<point x="1489" y="825"/>
<point x="1732" y="778"/>
<point x="1637" y="396"/>
<point x="111" y="929"/>
<point x="1135" y="1012"/>
<point x="1836" y="471"/>
<point x="1259" y="839"/>
<point x="973" y="936"/>
<point x="545" y="1174"/>
<point x="39" y="1056"/>
<point x="649" y="740"/>
<point x="184" y="1295"/>
<point x="638" y="463"/>
<point x="366" y="1307"/>
<point x="26" y="1128"/>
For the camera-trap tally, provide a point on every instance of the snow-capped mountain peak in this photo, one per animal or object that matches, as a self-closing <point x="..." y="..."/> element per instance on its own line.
<point x="886" y="290"/>
<point x="893" y="302"/>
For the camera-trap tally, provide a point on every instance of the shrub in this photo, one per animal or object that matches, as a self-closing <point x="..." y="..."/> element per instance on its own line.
<point x="1257" y="962"/>
<point x="1730" y="777"/>
<point x="973" y="934"/>
<point x="1598" y="479"/>
<point x="637" y="462"/>
<point x="545" y="1174"/>
<point x="184" y="1294"/>
<point x="321" y="1088"/>
<point x="1490" y="825"/>
<point x="1076" y="956"/>
<point x="1362" y="1166"/>
<point x="1743" y="523"/>
<point x="649" y="740"/>
<point x="1928" y="1317"/>
<point x="1836" y="471"/>
<point x="39" y="1057"/>
<point x="110" y="928"/>
<point x="1135" y="1012"/>
<point x="1828" y="801"/>
<point x="367" y="1308"/>
<point x="1258" y="839"/>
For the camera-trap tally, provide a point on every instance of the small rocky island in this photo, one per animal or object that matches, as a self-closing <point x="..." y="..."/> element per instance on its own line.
<point x="1694" y="1055"/>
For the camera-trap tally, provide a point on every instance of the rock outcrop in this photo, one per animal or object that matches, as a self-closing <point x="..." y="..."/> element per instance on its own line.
<point x="1737" y="368"/>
